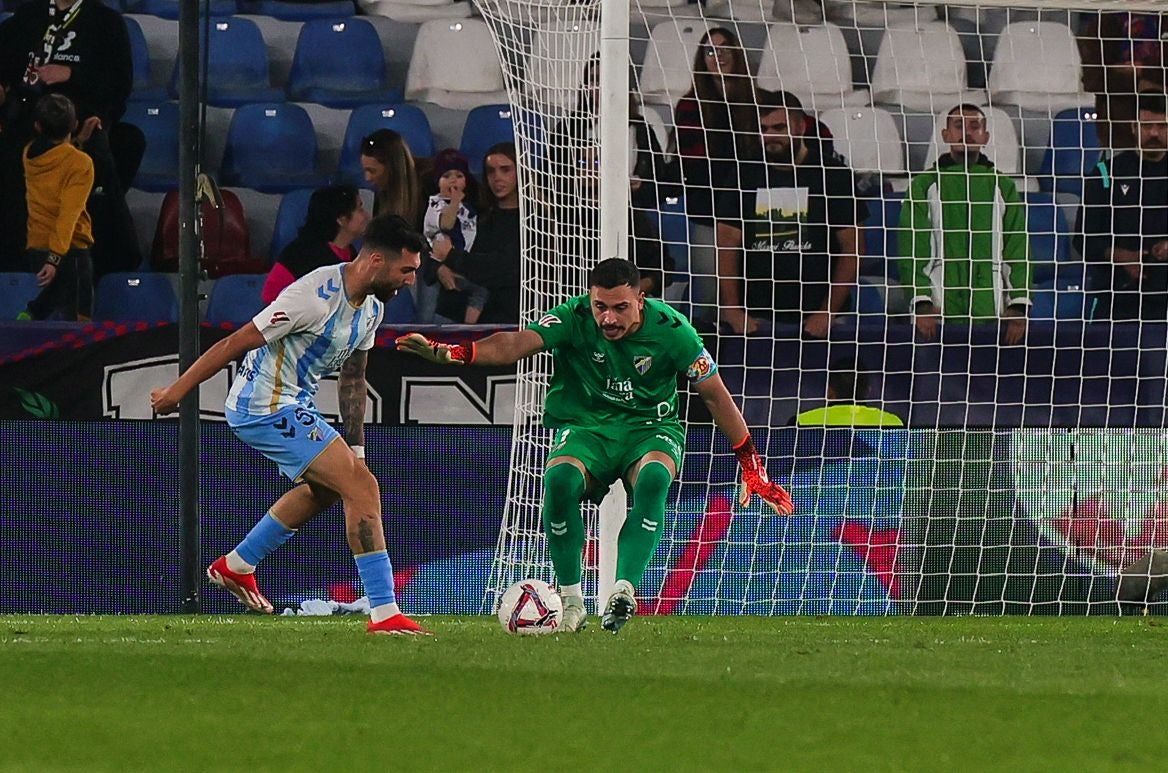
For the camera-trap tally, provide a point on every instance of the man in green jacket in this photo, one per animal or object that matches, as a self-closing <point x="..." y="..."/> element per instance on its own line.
<point x="963" y="236"/>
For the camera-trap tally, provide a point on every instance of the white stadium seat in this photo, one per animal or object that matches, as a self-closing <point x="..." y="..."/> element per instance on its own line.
<point x="812" y="63"/>
<point x="667" y="70"/>
<point x="559" y="51"/>
<point x="1036" y="66"/>
<point x="455" y="65"/>
<point x="868" y="138"/>
<point x="922" y="68"/>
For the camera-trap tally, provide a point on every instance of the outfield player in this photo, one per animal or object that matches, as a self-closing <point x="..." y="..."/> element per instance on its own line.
<point x="613" y="404"/>
<point x="326" y="320"/>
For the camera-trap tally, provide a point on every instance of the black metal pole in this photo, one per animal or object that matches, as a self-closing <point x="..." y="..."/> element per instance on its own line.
<point x="188" y="325"/>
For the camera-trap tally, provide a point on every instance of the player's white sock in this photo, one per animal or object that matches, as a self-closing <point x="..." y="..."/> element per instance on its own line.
<point x="384" y="612"/>
<point x="237" y="564"/>
<point x="571" y="590"/>
<point x="626" y="586"/>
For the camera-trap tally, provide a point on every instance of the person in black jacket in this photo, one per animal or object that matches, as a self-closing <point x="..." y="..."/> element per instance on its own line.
<point x="81" y="49"/>
<point x="1124" y="223"/>
<point x="493" y="261"/>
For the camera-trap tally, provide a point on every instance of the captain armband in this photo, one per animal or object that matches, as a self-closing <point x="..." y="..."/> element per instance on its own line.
<point x="701" y="368"/>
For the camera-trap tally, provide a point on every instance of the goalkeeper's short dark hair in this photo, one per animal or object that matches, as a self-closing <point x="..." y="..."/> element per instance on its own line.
<point x="56" y="116"/>
<point x="614" y="272"/>
<point x="392" y="233"/>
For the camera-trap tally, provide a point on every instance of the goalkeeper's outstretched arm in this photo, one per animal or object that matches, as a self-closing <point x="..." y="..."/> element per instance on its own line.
<point x="505" y="348"/>
<point x="722" y="407"/>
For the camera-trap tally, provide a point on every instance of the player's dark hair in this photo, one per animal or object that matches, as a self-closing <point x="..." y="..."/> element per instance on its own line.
<point x="391" y="233"/>
<point x="56" y="116"/>
<point x="614" y="272"/>
<point x="1150" y="102"/>
<point x="848" y="380"/>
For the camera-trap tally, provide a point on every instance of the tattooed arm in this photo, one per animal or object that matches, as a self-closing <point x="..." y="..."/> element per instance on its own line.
<point x="351" y="392"/>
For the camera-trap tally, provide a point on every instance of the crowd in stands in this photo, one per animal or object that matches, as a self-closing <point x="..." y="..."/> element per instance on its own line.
<point x="776" y="206"/>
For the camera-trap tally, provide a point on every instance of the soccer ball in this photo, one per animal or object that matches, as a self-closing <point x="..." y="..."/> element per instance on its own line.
<point x="531" y="608"/>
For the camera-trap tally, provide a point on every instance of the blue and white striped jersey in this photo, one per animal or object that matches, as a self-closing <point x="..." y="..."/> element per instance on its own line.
<point x="311" y="329"/>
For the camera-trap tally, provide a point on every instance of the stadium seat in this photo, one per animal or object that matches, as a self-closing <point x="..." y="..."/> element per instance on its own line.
<point x="1073" y="153"/>
<point x="922" y="68"/>
<point x="292" y="11"/>
<point x="555" y="69"/>
<point x="225" y="235"/>
<point x="667" y="69"/>
<point x="811" y="62"/>
<point x="671" y="222"/>
<point x="867" y="300"/>
<point x="290" y="216"/>
<point x="400" y="310"/>
<point x="135" y="297"/>
<point x="407" y="120"/>
<point x="1057" y="299"/>
<point x="881" y="237"/>
<point x="235" y="299"/>
<point x="416" y="11"/>
<point x="17" y="288"/>
<point x="237" y="66"/>
<point x="272" y="148"/>
<point x="474" y="77"/>
<point x="1036" y="66"/>
<point x="168" y="9"/>
<point x="867" y="137"/>
<point x="488" y="125"/>
<point x="159" y="122"/>
<point x="1002" y="149"/>
<point x="339" y="63"/>
<point x="1049" y="236"/>
<point x="143" y="88"/>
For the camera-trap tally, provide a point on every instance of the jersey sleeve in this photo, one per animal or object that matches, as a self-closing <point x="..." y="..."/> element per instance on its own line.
<point x="371" y="336"/>
<point x="692" y="357"/>
<point x="557" y="326"/>
<point x="294" y="310"/>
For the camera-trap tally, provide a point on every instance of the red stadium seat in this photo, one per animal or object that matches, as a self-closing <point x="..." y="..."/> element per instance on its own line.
<point x="226" y="240"/>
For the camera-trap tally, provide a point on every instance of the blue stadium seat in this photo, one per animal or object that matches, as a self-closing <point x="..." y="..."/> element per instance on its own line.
<point x="159" y="122"/>
<point x="868" y="301"/>
<point x="340" y="63"/>
<point x="880" y="236"/>
<point x="1049" y="236"/>
<point x="135" y="297"/>
<point x="400" y="310"/>
<point x="408" y="121"/>
<point x="1061" y="298"/>
<point x="235" y="298"/>
<point x="485" y="126"/>
<point x="272" y="148"/>
<point x="168" y="9"/>
<point x="671" y="222"/>
<point x="144" y="88"/>
<point x="289" y="217"/>
<point x="290" y="11"/>
<point x="16" y="290"/>
<point x="1073" y="153"/>
<point x="237" y="68"/>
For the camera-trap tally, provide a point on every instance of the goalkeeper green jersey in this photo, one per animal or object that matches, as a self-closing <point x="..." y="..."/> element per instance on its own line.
<point x="632" y="381"/>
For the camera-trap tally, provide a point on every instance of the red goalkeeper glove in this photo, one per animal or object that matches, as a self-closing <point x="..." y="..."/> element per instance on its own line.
<point x="755" y="480"/>
<point x="443" y="354"/>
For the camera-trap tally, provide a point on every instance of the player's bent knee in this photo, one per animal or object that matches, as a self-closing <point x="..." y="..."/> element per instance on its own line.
<point x="563" y="484"/>
<point x="653" y="480"/>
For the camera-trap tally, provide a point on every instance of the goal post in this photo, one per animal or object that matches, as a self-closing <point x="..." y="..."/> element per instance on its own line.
<point x="1029" y="475"/>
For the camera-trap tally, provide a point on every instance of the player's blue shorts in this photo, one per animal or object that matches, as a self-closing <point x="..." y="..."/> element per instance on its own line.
<point x="292" y="437"/>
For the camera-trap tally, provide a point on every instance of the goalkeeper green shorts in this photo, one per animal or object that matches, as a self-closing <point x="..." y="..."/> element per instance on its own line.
<point x="608" y="452"/>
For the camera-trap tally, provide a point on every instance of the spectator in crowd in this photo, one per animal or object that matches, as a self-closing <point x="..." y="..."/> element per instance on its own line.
<point x="964" y="245"/>
<point x="1123" y="223"/>
<point x="717" y="129"/>
<point x="389" y="168"/>
<point x="336" y="219"/>
<point x="80" y="49"/>
<point x="451" y="216"/>
<point x="795" y="213"/>
<point x="847" y="389"/>
<point x="492" y="263"/>
<point x="1123" y="53"/>
<point x="58" y="179"/>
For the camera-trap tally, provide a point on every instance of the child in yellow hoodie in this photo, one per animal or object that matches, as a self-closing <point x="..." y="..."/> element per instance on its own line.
<point x="58" y="178"/>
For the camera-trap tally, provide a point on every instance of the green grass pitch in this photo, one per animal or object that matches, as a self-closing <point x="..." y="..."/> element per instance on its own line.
<point x="728" y="693"/>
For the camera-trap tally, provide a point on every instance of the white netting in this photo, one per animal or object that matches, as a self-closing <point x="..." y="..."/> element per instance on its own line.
<point x="1029" y="477"/>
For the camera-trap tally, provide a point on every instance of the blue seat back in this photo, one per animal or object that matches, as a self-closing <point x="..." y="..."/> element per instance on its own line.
<point x="235" y="298"/>
<point x="487" y="125"/>
<point x="881" y="237"/>
<point x="237" y="59"/>
<point x="407" y="120"/>
<point x="290" y="216"/>
<point x="339" y="54"/>
<point x="1073" y="153"/>
<point x="1049" y="236"/>
<point x="16" y="290"/>
<point x="270" y="146"/>
<point x="159" y="122"/>
<point x="140" y="55"/>
<point x="135" y="297"/>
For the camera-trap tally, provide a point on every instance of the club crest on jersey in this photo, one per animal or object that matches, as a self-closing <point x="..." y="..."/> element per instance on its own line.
<point x="278" y="317"/>
<point x="598" y="357"/>
<point x="547" y="320"/>
<point x="315" y="434"/>
<point x="642" y="363"/>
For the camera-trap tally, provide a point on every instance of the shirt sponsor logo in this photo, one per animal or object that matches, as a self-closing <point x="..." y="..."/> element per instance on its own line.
<point x="642" y="363"/>
<point x="622" y="387"/>
<point x="547" y="320"/>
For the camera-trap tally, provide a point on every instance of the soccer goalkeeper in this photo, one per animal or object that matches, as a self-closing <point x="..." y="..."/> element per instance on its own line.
<point x="613" y="404"/>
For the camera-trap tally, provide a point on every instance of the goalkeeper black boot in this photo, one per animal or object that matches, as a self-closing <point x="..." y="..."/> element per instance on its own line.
<point x="621" y="608"/>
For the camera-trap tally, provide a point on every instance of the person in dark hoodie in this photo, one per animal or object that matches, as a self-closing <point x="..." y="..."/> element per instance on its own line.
<point x="973" y="213"/>
<point x="81" y="50"/>
<point x="336" y="219"/>
<point x="58" y="179"/>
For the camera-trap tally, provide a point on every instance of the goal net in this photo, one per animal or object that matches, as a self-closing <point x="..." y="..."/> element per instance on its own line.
<point x="926" y="244"/>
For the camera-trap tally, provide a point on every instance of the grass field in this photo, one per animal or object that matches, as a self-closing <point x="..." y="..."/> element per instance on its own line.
<point x="728" y="693"/>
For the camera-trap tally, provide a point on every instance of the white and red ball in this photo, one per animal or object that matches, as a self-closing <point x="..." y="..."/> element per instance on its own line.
<point x="531" y="608"/>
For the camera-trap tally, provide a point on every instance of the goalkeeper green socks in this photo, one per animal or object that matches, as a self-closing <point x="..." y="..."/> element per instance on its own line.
<point x="642" y="530"/>
<point x="563" y="488"/>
